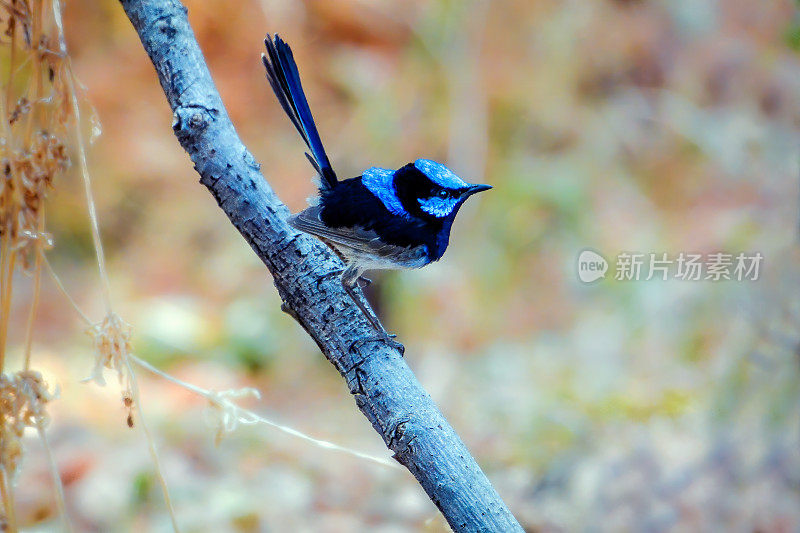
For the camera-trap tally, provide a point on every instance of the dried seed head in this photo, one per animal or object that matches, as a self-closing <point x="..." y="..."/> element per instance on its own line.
<point x="111" y="339"/>
<point x="23" y="107"/>
<point x="26" y="177"/>
<point x="112" y="345"/>
<point x="23" y="397"/>
<point x="32" y="150"/>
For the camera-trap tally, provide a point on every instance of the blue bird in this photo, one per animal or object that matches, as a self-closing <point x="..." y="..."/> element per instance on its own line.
<point x="383" y="219"/>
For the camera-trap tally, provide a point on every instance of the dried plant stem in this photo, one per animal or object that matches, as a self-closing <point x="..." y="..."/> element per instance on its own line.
<point x="98" y="244"/>
<point x="84" y="167"/>
<point x="4" y="312"/>
<point x="250" y="416"/>
<point x="5" y="239"/>
<point x="60" y="285"/>
<point x="150" y="443"/>
<point x="8" y="499"/>
<point x="12" y="64"/>
<point x="58" y="487"/>
<point x="3" y="113"/>
<point x="37" y="92"/>
<point x="37" y="23"/>
<point x="37" y="282"/>
<point x="7" y="259"/>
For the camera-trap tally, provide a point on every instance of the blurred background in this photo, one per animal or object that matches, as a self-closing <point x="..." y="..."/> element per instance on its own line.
<point x="649" y="126"/>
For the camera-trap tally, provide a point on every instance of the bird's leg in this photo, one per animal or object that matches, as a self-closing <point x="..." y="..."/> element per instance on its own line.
<point x="350" y="277"/>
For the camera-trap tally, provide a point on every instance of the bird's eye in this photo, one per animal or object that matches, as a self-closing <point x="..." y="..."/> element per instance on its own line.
<point x="442" y="193"/>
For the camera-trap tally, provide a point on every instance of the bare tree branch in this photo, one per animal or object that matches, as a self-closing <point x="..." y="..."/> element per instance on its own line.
<point x="306" y="275"/>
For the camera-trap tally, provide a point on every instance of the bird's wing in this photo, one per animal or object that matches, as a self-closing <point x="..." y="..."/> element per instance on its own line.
<point x="354" y="237"/>
<point x="284" y="78"/>
<point x="357" y="242"/>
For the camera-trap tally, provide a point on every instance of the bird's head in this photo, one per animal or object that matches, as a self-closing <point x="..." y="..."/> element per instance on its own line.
<point x="429" y="190"/>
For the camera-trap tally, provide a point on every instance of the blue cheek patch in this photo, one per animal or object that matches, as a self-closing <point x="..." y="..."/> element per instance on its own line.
<point x="380" y="182"/>
<point x="438" y="207"/>
<point x="440" y="174"/>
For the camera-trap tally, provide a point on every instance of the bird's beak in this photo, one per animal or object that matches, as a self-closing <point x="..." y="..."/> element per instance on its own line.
<point x="477" y="188"/>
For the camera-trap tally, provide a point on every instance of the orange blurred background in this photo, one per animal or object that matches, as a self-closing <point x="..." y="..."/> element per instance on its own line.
<point x="648" y="126"/>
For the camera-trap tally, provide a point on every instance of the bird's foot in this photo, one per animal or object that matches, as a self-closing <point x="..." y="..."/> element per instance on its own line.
<point x="388" y="338"/>
<point x="366" y="282"/>
<point x="397" y="346"/>
<point x="350" y="278"/>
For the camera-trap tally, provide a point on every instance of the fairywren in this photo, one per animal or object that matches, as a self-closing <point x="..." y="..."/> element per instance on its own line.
<point x="382" y="219"/>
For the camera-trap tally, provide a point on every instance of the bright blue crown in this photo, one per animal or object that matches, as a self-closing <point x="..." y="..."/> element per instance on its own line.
<point x="440" y="174"/>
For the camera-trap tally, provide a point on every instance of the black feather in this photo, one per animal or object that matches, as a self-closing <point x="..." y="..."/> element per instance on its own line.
<point x="284" y="78"/>
<point x="351" y="204"/>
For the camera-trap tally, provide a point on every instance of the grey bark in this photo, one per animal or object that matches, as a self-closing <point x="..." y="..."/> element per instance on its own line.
<point x="306" y="275"/>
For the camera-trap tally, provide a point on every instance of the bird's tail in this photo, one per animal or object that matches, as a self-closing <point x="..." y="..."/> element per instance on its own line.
<point x="284" y="78"/>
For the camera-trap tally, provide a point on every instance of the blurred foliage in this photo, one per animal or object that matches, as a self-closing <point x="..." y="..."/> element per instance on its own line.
<point x="647" y="126"/>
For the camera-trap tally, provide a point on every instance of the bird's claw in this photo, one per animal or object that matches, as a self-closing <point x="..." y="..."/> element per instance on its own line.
<point x="397" y="346"/>
<point x="388" y="338"/>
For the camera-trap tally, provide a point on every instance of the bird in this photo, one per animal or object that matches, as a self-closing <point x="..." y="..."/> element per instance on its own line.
<point x="382" y="219"/>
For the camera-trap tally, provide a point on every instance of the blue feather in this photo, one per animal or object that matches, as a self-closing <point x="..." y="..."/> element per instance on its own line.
<point x="284" y="78"/>
<point x="438" y="207"/>
<point x="380" y="182"/>
<point x="440" y="174"/>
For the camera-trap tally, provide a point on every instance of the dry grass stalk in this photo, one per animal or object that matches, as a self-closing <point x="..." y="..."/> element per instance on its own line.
<point x="33" y="116"/>
<point x="37" y="102"/>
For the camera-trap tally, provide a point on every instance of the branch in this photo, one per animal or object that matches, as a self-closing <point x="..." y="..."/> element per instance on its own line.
<point x="306" y="275"/>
